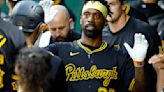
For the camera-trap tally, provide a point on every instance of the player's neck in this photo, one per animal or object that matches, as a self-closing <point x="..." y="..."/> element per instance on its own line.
<point x="119" y="24"/>
<point x="96" y="42"/>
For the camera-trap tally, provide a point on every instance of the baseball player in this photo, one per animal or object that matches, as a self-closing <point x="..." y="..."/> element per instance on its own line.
<point x="90" y="63"/>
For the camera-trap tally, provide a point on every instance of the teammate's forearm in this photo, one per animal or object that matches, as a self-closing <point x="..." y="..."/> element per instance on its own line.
<point x="160" y="80"/>
<point x="140" y="80"/>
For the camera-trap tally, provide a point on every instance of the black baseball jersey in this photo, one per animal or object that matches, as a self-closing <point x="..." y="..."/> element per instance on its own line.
<point x="126" y="34"/>
<point x="7" y="50"/>
<point x="99" y="70"/>
<point x="11" y="40"/>
<point x="136" y="14"/>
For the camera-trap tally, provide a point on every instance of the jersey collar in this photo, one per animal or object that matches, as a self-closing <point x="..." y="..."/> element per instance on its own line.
<point x="89" y="51"/>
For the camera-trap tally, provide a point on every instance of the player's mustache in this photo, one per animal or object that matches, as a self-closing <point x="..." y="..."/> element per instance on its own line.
<point x="90" y="27"/>
<point x="110" y="13"/>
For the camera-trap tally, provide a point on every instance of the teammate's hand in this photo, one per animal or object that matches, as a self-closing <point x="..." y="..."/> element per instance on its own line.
<point x="157" y="61"/>
<point x="138" y="52"/>
<point x="49" y="12"/>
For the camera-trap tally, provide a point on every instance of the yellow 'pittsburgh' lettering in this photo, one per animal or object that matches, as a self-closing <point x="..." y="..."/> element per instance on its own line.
<point x="1" y="59"/>
<point x="3" y="40"/>
<point x="74" y="73"/>
<point x="1" y="78"/>
<point x="14" y="85"/>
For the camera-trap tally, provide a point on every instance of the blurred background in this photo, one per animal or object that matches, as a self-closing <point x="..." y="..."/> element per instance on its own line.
<point x="75" y="7"/>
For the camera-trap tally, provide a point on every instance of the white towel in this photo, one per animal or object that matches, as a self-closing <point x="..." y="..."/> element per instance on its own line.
<point x="45" y="39"/>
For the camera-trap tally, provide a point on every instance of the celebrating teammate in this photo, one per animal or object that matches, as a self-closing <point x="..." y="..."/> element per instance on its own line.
<point x="90" y="64"/>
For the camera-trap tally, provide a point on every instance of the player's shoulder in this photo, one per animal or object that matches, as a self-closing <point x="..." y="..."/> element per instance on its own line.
<point x="69" y="45"/>
<point x="56" y="62"/>
<point x="12" y="31"/>
<point x="62" y="46"/>
<point x="75" y="35"/>
<point x="4" y="39"/>
<point x="140" y="24"/>
<point x="65" y="44"/>
<point x="56" y="59"/>
<point x="142" y="27"/>
<point x="8" y="25"/>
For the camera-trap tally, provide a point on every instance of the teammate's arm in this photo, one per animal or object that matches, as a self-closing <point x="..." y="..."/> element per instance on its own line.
<point x="140" y="80"/>
<point x="158" y="63"/>
<point x="138" y="54"/>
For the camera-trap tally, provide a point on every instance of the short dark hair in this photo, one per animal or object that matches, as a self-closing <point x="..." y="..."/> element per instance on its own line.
<point x="33" y="65"/>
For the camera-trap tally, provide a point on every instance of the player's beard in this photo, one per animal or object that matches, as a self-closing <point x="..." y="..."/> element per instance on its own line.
<point x="63" y="39"/>
<point x="60" y="39"/>
<point x="91" y="31"/>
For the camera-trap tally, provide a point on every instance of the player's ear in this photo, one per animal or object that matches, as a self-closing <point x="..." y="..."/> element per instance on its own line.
<point x="71" y="23"/>
<point x="124" y="7"/>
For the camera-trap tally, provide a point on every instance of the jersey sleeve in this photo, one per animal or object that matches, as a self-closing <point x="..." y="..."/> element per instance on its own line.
<point x="53" y="48"/>
<point x="127" y="75"/>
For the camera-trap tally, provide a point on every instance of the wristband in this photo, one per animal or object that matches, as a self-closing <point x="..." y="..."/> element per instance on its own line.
<point x="138" y="64"/>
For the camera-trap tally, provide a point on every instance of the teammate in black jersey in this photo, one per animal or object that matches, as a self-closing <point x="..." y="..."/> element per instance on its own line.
<point x="122" y="28"/>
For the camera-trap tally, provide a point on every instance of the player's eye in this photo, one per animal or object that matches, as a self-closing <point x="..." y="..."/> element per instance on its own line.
<point x="86" y="14"/>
